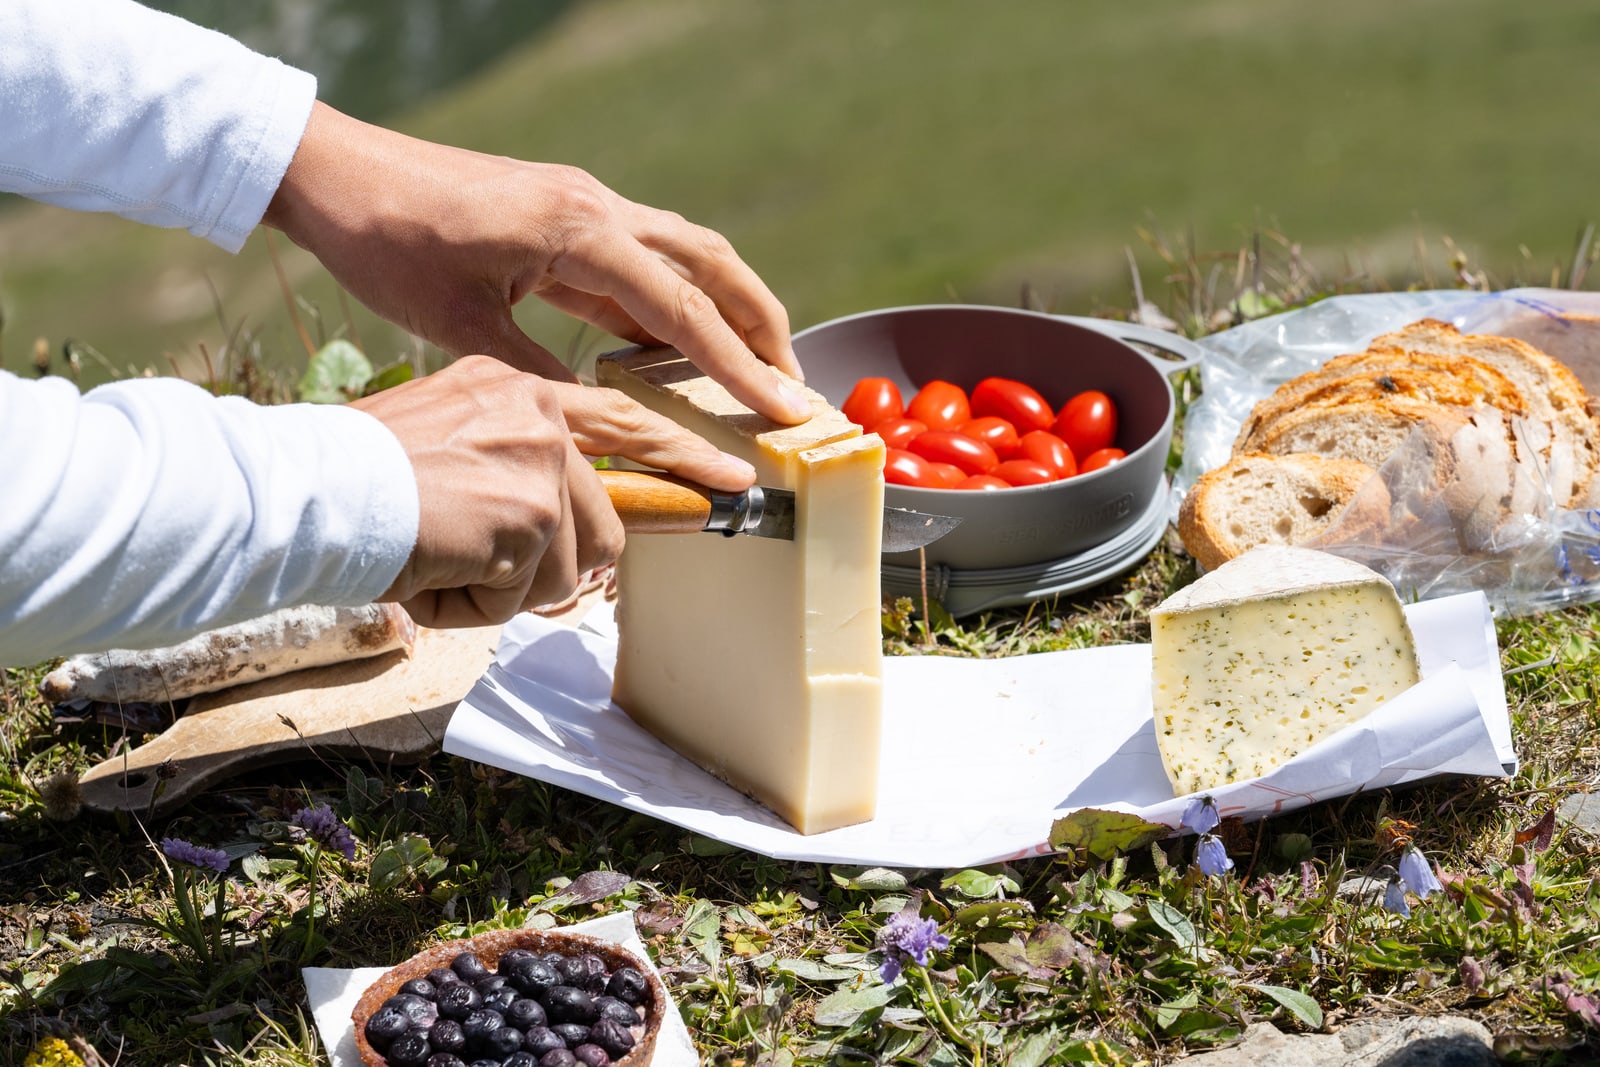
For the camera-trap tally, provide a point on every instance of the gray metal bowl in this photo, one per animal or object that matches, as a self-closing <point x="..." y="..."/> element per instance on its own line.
<point x="1057" y="355"/>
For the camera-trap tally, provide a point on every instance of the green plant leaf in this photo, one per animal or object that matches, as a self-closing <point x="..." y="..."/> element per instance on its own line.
<point x="873" y="879"/>
<point x="1103" y="834"/>
<point x="979" y="885"/>
<point x="406" y="858"/>
<point x="389" y="377"/>
<point x="1298" y="1004"/>
<point x="337" y="373"/>
<point x="815" y="971"/>
<point x="1175" y="923"/>
<point x="847" y="1005"/>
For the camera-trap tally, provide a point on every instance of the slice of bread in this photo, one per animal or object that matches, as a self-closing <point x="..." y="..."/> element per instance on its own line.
<point x="1257" y="499"/>
<point x="1553" y="393"/>
<point x="1572" y="337"/>
<point x="1474" y="382"/>
<point x="1368" y="431"/>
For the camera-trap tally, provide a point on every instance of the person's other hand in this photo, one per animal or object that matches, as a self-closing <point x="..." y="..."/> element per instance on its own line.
<point x="445" y="241"/>
<point x="511" y="513"/>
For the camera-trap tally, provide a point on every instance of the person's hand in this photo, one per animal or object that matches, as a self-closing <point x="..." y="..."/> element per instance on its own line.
<point x="511" y="513"/>
<point x="444" y="242"/>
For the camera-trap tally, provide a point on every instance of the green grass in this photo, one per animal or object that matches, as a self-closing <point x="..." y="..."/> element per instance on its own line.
<point x="925" y="150"/>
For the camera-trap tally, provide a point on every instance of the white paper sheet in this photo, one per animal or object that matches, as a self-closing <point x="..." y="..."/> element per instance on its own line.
<point x="979" y="756"/>
<point x="333" y="993"/>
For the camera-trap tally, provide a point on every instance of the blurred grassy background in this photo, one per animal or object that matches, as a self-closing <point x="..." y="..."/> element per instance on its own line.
<point x="909" y="151"/>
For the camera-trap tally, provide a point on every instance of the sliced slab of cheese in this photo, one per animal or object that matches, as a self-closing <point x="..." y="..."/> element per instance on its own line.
<point x="1268" y="654"/>
<point x="759" y="659"/>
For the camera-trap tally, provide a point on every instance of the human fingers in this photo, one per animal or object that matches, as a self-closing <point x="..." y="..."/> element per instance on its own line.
<point x="607" y="422"/>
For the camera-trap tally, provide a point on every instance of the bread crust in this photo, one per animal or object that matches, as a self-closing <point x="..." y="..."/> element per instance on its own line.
<point x="1258" y="498"/>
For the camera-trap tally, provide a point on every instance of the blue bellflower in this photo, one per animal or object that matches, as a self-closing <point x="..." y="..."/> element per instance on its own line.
<point x="906" y="938"/>
<point x="1200" y="815"/>
<point x="1211" y="856"/>
<point x="1417" y="873"/>
<point x="1394" y="898"/>
<point x="324" y="827"/>
<point x="210" y="859"/>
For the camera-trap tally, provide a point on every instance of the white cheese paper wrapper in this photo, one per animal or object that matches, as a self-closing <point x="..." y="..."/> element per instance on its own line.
<point x="333" y="993"/>
<point x="979" y="756"/>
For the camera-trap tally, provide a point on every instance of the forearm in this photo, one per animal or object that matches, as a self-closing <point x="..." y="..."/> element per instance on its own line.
<point x="198" y="139"/>
<point x="147" y="511"/>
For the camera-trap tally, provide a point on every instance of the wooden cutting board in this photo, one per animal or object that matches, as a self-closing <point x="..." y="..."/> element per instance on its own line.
<point x="388" y="709"/>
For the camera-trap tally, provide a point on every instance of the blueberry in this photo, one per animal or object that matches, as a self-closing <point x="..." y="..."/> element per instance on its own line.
<point x="520" y="1059"/>
<point x="629" y="985"/>
<point x="592" y="1056"/>
<point x="541" y="1039"/>
<point x="442" y="976"/>
<point x="385" y="1025"/>
<point x="501" y="1042"/>
<point x="479" y="1025"/>
<point x="410" y="1049"/>
<point x="612" y="1036"/>
<point x="587" y="972"/>
<point x="468" y="967"/>
<point x="621" y="1011"/>
<point x="459" y="1001"/>
<point x="419" y="1011"/>
<point x="558" y="1058"/>
<point x="525" y="1012"/>
<point x="501" y="999"/>
<point x="554" y="959"/>
<point x="490" y="984"/>
<point x="564" y="1004"/>
<point x="484" y="1063"/>
<point x="419" y="987"/>
<point x="574" y="1034"/>
<point x="509" y="958"/>
<point x="532" y="977"/>
<point x="446" y="1035"/>
<point x="446" y="1059"/>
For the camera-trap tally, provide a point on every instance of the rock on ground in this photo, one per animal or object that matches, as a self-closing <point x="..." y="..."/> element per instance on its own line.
<point x="1416" y="1041"/>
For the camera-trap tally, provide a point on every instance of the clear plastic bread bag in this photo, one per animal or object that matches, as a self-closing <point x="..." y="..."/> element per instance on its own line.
<point x="1457" y="507"/>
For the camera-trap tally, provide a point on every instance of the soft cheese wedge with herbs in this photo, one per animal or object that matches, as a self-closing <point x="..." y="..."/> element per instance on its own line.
<point x="760" y="659"/>
<point x="1268" y="654"/>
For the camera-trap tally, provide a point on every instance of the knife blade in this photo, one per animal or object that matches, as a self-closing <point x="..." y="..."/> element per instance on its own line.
<point x="648" y="502"/>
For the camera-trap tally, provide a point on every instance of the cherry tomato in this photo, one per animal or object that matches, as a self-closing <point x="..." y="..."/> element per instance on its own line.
<point x="950" y="474"/>
<point x="1087" y="423"/>
<point x="873" y="401"/>
<point x="907" y="468"/>
<point x="995" y="432"/>
<point x="898" y="433"/>
<point x="947" y="446"/>
<point x="1044" y="447"/>
<point x="940" y="405"/>
<point x="1103" y="457"/>
<point x="984" y="482"/>
<point x="1017" y="403"/>
<point x="1023" y="472"/>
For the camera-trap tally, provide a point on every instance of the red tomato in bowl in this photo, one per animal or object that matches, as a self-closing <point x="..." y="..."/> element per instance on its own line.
<point x="984" y="482"/>
<point x="1016" y="402"/>
<point x="1016" y="472"/>
<point x="995" y="432"/>
<point x="947" y="446"/>
<point x="949" y="474"/>
<point x="873" y="401"/>
<point x="907" y="468"/>
<point x="1087" y="423"/>
<point x="898" y="433"/>
<point x="1105" y="457"/>
<point x="940" y="405"/>
<point x="1044" y="447"/>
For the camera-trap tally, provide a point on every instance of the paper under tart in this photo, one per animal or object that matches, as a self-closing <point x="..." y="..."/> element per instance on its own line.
<point x="489" y="947"/>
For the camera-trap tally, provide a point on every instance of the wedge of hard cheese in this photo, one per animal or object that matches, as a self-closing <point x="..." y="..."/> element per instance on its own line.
<point x="760" y="659"/>
<point x="1268" y="654"/>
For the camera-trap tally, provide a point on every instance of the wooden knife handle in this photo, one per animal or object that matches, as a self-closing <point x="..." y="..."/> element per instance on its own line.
<point x="657" y="503"/>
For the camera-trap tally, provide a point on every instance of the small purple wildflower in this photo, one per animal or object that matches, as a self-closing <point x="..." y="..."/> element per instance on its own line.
<point x="906" y="938"/>
<point x="210" y="859"/>
<point x="1394" y="898"/>
<point x="326" y="828"/>
<point x="1417" y="873"/>
<point x="1200" y="816"/>
<point x="1211" y="856"/>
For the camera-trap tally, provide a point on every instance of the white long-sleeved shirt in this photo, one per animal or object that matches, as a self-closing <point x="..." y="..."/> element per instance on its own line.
<point x="145" y="511"/>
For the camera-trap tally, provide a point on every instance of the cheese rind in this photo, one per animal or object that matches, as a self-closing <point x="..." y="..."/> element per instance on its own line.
<point x="1265" y="656"/>
<point x="761" y="659"/>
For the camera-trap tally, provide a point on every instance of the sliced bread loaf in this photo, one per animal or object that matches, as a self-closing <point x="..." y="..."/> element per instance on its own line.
<point x="1258" y="499"/>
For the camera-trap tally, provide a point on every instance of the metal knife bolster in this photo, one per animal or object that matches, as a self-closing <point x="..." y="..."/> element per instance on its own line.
<point x="734" y="513"/>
